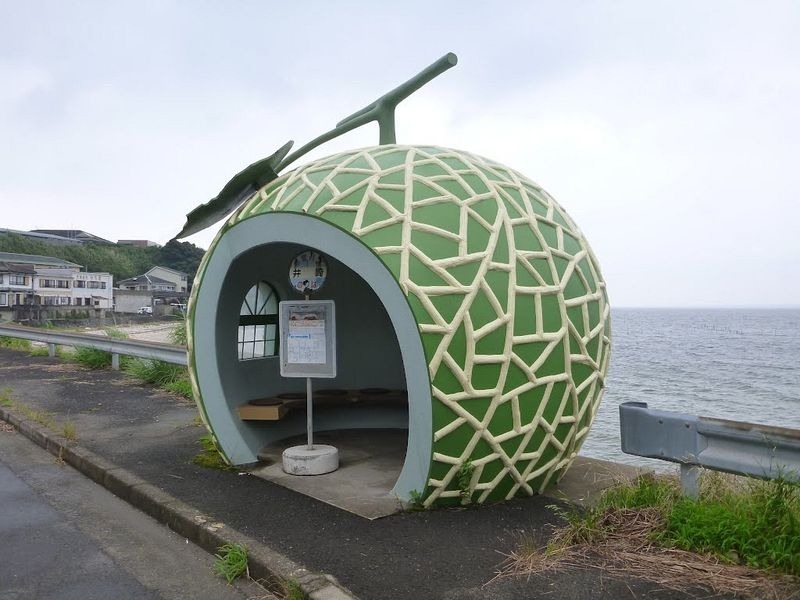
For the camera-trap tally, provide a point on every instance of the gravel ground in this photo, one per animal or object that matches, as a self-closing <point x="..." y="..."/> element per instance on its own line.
<point x="158" y="331"/>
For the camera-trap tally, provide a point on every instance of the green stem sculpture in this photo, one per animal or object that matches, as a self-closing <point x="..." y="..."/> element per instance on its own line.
<point x="255" y="176"/>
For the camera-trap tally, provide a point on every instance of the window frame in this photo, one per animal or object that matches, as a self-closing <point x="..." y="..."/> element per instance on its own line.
<point x="253" y="317"/>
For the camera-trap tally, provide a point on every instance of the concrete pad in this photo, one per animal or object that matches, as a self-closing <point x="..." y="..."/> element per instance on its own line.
<point x="588" y="478"/>
<point x="370" y="461"/>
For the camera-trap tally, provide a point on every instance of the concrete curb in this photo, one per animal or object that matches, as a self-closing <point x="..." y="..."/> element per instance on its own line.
<point x="264" y="562"/>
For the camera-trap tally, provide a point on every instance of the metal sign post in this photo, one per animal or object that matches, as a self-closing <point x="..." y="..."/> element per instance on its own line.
<point x="308" y="349"/>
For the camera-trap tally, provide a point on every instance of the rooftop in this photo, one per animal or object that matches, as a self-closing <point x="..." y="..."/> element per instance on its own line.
<point x="35" y="259"/>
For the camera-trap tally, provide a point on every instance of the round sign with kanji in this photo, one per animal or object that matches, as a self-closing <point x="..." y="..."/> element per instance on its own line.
<point x="308" y="271"/>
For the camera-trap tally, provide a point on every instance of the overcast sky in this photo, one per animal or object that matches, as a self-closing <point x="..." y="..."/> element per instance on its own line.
<point x="670" y="131"/>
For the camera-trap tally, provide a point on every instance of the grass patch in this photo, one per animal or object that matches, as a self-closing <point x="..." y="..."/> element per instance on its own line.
<point x="758" y="527"/>
<point x="291" y="590"/>
<point x="68" y="431"/>
<point x="231" y="562"/>
<point x="92" y="358"/>
<point x="178" y="333"/>
<point x="100" y="359"/>
<point x="15" y="343"/>
<point x="6" y="398"/>
<point x="173" y="378"/>
<point x="181" y="387"/>
<point x="740" y="536"/>
<point x="155" y="371"/>
<point x="211" y="456"/>
<point x="42" y="417"/>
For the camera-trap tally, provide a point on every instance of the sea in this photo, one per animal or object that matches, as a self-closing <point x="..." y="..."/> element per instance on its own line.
<point x="738" y="364"/>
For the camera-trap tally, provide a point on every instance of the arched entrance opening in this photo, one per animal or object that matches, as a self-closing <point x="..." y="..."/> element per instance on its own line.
<point x="382" y="381"/>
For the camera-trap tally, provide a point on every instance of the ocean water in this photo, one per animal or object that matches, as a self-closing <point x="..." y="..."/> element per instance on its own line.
<point x="739" y="364"/>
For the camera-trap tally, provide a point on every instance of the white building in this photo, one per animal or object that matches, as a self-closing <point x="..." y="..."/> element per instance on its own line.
<point x="29" y="279"/>
<point x="93" y="289"/>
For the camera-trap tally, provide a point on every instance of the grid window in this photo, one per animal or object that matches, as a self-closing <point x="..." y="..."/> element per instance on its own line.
<point x="258" y="322"/>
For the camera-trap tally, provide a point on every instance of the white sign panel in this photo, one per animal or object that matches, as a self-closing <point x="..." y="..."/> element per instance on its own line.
<point x="305" y="343"/>
<point x="308" y="338"/>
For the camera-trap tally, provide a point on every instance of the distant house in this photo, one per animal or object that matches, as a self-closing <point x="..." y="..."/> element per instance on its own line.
<point x="31" y="279"/>
<point x="147" y="283"/>
<point x="179" y="278"/>
<point x="74" y="234"/>
<point x="158" y="286"/>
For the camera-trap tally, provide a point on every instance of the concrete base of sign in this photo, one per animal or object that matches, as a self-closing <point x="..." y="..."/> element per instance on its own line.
<point x="317" y="460"/>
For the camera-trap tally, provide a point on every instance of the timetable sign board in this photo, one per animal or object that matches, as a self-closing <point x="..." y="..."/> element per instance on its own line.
<point x="307" y="338"/>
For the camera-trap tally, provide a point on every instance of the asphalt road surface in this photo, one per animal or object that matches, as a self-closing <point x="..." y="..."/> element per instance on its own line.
<point x="63" y="536"/>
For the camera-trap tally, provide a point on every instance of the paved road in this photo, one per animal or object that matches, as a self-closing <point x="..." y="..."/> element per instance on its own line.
<point x="62" y="536"/>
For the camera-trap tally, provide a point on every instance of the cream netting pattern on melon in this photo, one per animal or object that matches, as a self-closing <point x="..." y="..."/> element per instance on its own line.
<point x="467" y="238"/>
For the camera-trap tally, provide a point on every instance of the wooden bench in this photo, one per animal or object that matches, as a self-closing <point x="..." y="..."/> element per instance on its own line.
<point x="275" y="408"/>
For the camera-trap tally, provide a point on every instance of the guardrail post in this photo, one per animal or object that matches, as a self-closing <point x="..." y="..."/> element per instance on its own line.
<point x="51" y="350"/>
<point x="690" y="480"/>
<point x="115" y="361"/>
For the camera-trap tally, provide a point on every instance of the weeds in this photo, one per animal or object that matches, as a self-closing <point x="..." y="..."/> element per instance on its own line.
<point x="68" y="431"/>
<point x="15" y="343"/>
<point x="734" y="527"/>
<point x="178" y="334"/>
<point x="231" y="562"/>
<point x="181" y="387"/>
<point x="291" y="590"/>
<point x="92" y="358"/>
<point x="759" y="528"/>
<point x="43" y="417"/>
<point x="211" y="456"/>
<point x="5" y="397"/>
<point x="464" y="482"/>
<point x="415" y="500"/>
<point x="173" y="378"/>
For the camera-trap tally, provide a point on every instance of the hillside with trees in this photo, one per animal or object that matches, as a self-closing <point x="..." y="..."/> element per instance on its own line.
<point x="121" y="261"/>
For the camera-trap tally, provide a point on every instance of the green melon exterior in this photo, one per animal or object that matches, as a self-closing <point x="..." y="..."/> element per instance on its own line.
<point x="511" y="306"/>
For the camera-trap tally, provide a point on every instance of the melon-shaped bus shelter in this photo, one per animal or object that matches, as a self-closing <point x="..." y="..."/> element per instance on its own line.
<point x="456" y="280"/>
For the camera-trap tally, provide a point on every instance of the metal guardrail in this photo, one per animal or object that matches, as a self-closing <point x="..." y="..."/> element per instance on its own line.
<point x="731" y="446"/>
<point x="153" y="350"/>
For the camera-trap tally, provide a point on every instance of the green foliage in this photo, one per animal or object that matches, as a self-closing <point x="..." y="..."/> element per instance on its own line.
<point x="121" y="261"/>
<point x="182" y="256"/>
<point x="92" y="358"/>
<point x="178" y="334"/>
<point x="181" y="387"/>
<point x="116" y="334"/>
<point x="759" y="527"/>
<point x="231" y="561"/>
<point x="100" y="359"/>
<point x="6" y="398"/>
<point x="68" y="431"/>
<point x="647" y="492"/>
<point x="755" y="524"/>
<point x="416" y="500"/>
<point x="173" y="378"/>
<point x="157" y="372"/>
<point x="211" y="456"/>
<point x="291" y="590"/>
<point x="15" y="343"/>
<point x="464" y="481"/>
